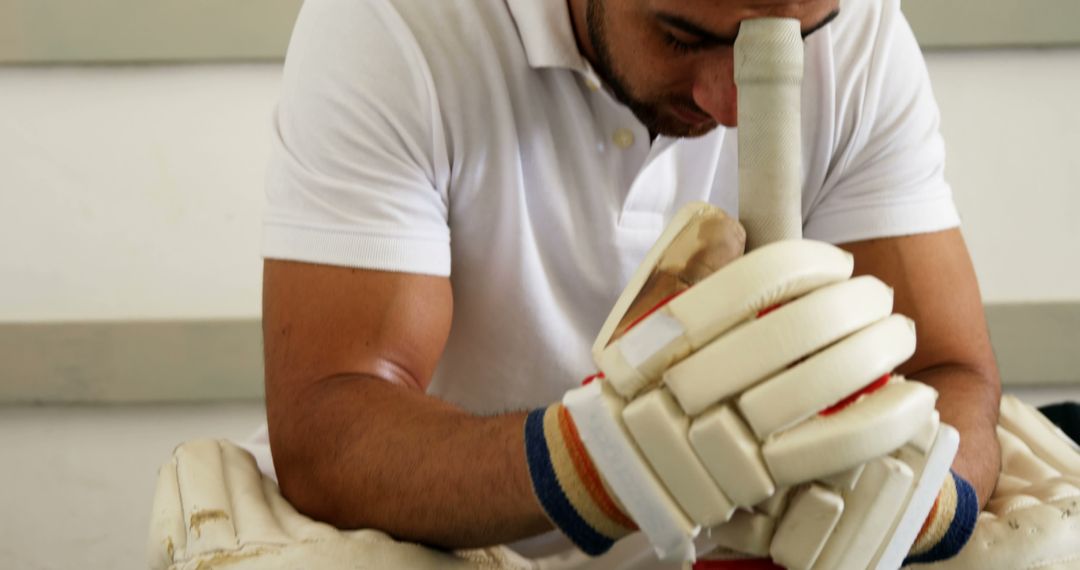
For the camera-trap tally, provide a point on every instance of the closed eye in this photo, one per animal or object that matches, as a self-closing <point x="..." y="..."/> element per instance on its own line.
<point x="682" y="47"/>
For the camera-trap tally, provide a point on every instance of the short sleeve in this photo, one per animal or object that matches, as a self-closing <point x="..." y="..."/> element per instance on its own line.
<point x="886" y="177"/>
<point x="358" y="171"/>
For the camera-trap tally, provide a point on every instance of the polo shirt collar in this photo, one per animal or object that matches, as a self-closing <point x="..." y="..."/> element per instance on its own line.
<point x="547" y="33"/>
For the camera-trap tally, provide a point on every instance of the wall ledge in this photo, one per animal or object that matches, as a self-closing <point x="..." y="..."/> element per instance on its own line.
<point x="1037" y="344"/>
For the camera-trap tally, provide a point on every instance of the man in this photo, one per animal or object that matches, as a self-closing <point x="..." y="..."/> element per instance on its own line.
<point x="460" y="190"/>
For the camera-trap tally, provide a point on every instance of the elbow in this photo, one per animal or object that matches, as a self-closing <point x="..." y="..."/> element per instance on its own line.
<point x="316" y="440"/>
<point x="302" y="449"/>
<point x="300" y="480"/>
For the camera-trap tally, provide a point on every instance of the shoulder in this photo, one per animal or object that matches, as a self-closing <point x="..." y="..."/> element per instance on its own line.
<point x="860" y="28"/>
<point x="870" y="44"/>
<point x="865" y="74"/>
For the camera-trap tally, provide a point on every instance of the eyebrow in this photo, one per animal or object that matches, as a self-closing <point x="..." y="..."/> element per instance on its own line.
<point x="711" y="39"/>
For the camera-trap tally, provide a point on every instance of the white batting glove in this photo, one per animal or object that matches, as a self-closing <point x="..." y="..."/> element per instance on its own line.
<point x="695" y="412"/>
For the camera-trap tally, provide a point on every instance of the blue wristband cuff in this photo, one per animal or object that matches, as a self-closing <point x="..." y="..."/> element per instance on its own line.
<point x="959" y="529"/>
<point x="550" y="492"/>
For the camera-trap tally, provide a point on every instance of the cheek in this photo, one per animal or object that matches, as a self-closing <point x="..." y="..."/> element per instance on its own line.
<point x="648" y="65"/>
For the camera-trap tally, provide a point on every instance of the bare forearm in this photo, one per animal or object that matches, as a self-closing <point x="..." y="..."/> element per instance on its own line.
<point x="360" y="452"/>
<point x="969" y="401"/>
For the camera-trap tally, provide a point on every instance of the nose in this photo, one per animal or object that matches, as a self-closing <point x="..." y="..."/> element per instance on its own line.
<point x="715" y="93"/>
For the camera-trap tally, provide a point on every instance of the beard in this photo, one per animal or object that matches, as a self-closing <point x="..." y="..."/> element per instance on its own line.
<point x="646" y="111"/>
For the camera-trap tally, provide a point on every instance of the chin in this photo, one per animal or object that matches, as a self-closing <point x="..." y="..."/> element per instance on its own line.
<point x="678" y="129"/>
<point x="699" y="131"/>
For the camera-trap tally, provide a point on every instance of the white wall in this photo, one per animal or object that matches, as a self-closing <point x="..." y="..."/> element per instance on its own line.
<point x="1012" y="127"/>
<point x="132" y="192"/>
<point x="135" y="192"/>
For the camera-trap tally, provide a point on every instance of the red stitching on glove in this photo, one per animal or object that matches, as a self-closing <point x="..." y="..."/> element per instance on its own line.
<point x="769" y="309"/>
<point x="868" y="389"/>
<point x="663" y="302"/>
<point x="593" y="377"/>
<point x="742" y="564"/>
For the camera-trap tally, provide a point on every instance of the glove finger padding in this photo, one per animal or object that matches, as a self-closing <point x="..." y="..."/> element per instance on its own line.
<point x="773" y="274"/>
<point x="695" y="455"/>
<point x="870" y="516"/>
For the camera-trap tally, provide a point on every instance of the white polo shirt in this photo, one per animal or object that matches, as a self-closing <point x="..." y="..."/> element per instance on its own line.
<point x="470" y="138"/>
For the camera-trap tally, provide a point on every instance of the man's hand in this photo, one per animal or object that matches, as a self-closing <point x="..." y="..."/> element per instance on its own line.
<point x="711" y="400"/>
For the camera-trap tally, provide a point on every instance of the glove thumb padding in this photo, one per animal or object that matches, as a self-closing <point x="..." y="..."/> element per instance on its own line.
<point x="699" y="241"/>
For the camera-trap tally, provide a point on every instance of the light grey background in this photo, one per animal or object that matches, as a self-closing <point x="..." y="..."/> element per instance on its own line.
<point x="93" y="31"/>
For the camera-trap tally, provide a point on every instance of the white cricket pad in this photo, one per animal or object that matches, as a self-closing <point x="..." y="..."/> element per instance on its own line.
<point x="207" y="508"/>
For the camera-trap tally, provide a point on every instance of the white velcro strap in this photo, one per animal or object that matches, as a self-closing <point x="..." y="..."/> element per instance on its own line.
<point x="869" y="513"/>
<point x="930" y="473"/>
<point x="597" y="413"/>
<point x="773" y="274"/>
<point x="732" y="456"/>
<point x="875" y="425"/>
<point x="660" y="430"/>
<point x="635" y="361"/>
<point x="763" y="347"/>
<point x="806" y="526"/>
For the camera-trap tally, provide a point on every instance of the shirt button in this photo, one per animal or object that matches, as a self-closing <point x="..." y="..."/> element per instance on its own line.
<point x="623" y="138"/>
<point x="592" y="85"/>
